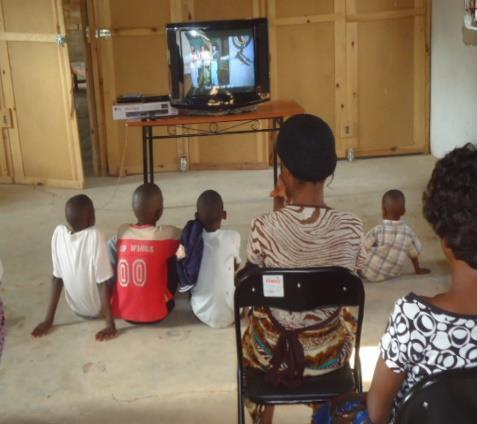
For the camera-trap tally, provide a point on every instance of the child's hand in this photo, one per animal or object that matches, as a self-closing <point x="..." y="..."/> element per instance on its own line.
<point x="423" y="271"/>
<point x="41" y="329"/>
<point x="279" y="190"/>
<point x="106" y="334"/>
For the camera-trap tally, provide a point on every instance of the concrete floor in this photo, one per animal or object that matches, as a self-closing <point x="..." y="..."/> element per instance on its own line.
<point x="179" y="371"/>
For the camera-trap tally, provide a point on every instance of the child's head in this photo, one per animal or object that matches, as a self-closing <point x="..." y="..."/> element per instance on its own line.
<point x="394" y="205"/>
<point x="306" y="147"/>
<point x="79" y="212"/>
<point x="147" y="204"/>
<point x="450" y="204"/>
<point x="210" y="210"/>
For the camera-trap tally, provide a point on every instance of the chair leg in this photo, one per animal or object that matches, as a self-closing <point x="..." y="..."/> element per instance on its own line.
<point x="240" y="405"/>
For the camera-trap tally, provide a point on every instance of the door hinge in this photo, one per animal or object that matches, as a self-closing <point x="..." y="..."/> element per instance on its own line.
<point x="103" y="33"/>
<point x="60" y="40"/>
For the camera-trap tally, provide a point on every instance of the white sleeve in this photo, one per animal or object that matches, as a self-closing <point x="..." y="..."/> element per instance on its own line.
<point x="103" y="269"/>
<point x="237" y="248"/>
<point x="54" y="254"/>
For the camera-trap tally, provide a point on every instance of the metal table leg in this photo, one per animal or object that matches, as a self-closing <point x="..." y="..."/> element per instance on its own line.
<point x="277" y="124"/>
<point x="144" y="153"/>
<point x="151" y="155"/>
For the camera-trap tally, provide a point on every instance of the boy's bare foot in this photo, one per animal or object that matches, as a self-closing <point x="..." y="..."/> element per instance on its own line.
<point x="106" y="333"/>
<point x="42" y="329"/>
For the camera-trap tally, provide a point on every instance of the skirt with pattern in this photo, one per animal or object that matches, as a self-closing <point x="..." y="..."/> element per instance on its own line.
<point x="326" y="348"/>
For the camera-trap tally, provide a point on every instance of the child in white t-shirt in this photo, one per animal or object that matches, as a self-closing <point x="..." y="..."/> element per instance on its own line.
<point x="80" y="264"/>
<point x="212" y="294"/>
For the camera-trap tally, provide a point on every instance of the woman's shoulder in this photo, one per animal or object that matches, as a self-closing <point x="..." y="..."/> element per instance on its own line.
<point x="345" y="216"/>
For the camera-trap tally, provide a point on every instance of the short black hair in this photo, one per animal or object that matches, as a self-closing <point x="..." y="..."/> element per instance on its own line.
<point x="306" y="146"/>
<point x="77" y="210"/>
<point x="394" y="195"/>
<point x="210" y="208"/>
<point x="147" y="201"/>
<point x="450" y="202"/>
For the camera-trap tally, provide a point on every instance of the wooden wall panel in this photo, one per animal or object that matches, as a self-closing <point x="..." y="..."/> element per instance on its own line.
<point x="244" y="151"/>
<point x="29" y="16"/>
<point x="287" y="8"/>
<point x="306" y="69"/>
<point x="388" y="71"/>
<point x="386" y="109"/>
<point x="134" y="60"/>
<point x="369" y="6"/>
<point x="223" y="9"/>
<point x="309" y="57"/>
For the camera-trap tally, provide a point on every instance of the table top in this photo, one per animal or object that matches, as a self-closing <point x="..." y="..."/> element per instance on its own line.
<point x="268" y="110"/>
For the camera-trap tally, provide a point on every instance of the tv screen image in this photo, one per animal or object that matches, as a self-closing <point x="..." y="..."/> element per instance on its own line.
<point x="217" y="60"/>
<point x="218" y="64"/>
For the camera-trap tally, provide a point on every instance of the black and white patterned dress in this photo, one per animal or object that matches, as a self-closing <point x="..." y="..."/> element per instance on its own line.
<point x="421" y="339"/>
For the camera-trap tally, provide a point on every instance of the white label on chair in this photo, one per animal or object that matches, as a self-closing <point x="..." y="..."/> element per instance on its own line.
<point x="273" y="286"/>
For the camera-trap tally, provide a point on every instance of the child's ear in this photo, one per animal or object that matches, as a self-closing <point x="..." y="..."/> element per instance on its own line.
<point x="224" y="215"/>
<point x="196" y="216"/>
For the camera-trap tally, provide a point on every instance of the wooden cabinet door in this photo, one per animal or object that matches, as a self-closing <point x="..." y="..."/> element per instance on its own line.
<point x="129" y="52"/>
<point x="388" y="69"/>
<point x="37" y="92"/>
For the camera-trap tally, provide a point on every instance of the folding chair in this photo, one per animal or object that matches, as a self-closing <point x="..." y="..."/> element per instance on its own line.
<point x="297" y="290"/>
<point x="447" y="397"/>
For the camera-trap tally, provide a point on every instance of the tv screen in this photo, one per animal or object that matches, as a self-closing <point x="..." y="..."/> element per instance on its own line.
<point x="217" y="65"/>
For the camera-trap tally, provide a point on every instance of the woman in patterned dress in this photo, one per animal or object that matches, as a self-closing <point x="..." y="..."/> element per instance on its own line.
<point x="302" y="232"/>
<point x="428" y="335"/>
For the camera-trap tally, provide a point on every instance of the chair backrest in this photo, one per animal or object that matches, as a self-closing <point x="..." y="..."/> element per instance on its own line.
<point x="299" y="289"/>
<point x="447" y="397"/>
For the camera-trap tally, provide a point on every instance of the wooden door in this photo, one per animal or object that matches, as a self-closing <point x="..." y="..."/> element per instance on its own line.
<point x="388" y="74"/>
<point x="132" y="59"/>
<point x="42" y="136"/>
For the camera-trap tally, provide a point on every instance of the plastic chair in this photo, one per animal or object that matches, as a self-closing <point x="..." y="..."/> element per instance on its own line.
<point x="303" y="290"/>
<point x="447" y="397"/>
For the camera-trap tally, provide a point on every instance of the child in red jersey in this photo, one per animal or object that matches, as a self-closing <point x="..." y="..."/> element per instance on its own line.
<point x="144" y="292"/>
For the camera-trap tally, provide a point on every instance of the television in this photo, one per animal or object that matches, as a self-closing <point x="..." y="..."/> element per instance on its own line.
<point x="218" y="66"/>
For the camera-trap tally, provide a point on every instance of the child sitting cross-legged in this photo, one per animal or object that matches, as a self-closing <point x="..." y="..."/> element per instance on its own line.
<point x="81" y="265"/>
<point x="207" y="260"/>
<point x="390" y="243"/>
<point x="142" y="252"/>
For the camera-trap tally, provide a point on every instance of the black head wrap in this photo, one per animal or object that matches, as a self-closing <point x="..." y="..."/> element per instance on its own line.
<point x="306" y="146"/>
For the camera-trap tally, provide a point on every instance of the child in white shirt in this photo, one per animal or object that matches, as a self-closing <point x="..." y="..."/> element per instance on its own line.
<point x="212" y="294"/>
<point x="80" y="264"/>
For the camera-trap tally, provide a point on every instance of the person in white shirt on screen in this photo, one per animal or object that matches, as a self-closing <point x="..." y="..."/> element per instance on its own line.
<point x="212" y="295"/>
<point x="80" y="264"/>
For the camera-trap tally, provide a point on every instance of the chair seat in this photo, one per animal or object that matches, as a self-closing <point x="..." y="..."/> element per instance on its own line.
<point x="313" y="389"/>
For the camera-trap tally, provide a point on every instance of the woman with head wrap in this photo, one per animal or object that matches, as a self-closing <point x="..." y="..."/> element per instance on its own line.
<point x="302" y="232"/>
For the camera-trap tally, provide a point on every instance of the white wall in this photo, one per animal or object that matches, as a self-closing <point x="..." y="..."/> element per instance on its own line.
<point x="453" y="79"/>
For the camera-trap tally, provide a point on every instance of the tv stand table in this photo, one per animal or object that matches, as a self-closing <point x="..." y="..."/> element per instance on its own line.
<point x="274" y="111"/>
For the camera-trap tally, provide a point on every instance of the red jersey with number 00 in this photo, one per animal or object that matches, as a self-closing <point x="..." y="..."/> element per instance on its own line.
<point x="141" y="292"/>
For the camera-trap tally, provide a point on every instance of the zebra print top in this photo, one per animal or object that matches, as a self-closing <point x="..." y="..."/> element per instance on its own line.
<point x="303" y="237"/>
